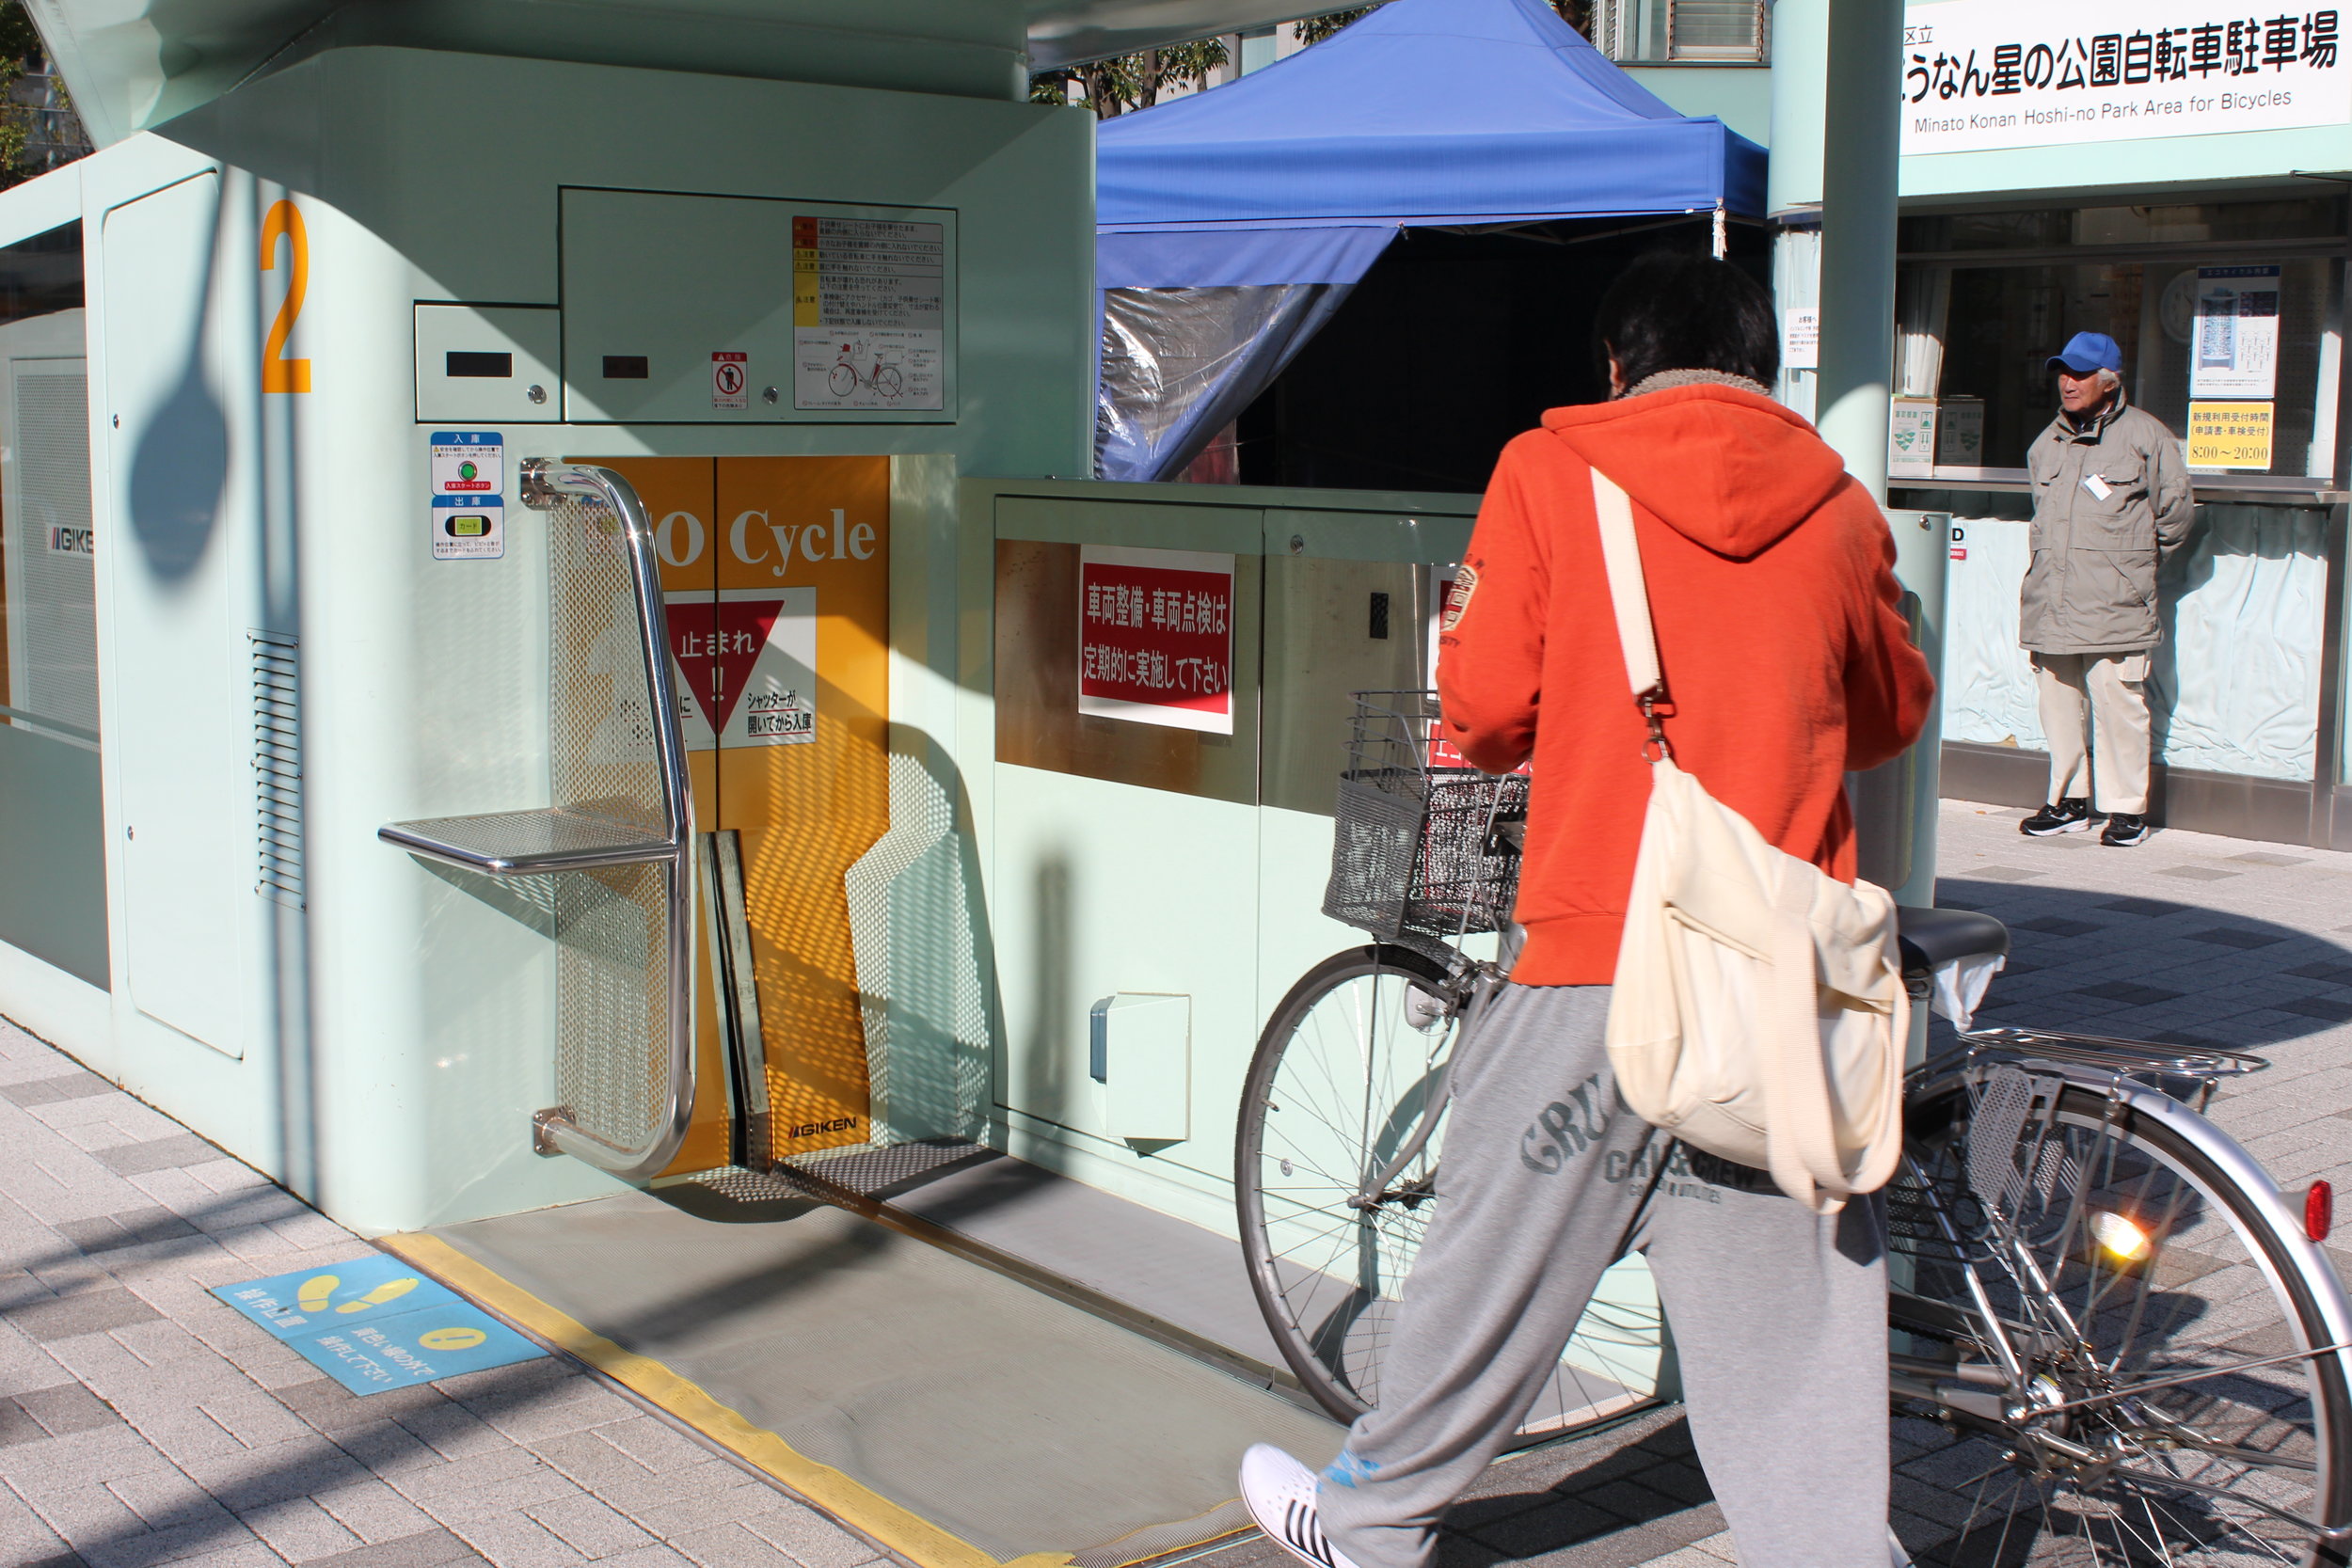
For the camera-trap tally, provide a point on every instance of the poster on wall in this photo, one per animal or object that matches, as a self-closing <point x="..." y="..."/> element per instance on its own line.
<point x="1981" y="75"/>
<point x="1155" y="637"/>
<point x="2235" y="341"/>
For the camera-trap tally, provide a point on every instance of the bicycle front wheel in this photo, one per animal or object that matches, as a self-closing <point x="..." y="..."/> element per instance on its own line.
<point x="2183" y="1405"/>
<point x="1350" y="1068"/>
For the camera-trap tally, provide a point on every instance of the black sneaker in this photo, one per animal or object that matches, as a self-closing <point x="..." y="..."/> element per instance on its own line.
<point x="2124" y="829"/>
<point x="2068" y="816"/>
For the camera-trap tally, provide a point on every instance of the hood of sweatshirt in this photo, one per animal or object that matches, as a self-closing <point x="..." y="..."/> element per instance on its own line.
<point x="1723" y="468"/>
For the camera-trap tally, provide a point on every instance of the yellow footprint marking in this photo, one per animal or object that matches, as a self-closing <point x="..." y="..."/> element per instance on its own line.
<point x="391" y="1289"/>
<point x="315" y="1291"/>
<point x="451" y="1339"/>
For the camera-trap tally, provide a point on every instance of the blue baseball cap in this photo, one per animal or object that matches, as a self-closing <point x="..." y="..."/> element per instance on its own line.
<point x="2087" y="352"/>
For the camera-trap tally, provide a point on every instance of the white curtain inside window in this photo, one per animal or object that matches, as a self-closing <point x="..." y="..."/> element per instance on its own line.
<point x="1920" y="320"/>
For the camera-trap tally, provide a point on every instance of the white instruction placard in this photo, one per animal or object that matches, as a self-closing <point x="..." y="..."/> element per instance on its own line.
<point x="1801" y="339"/>
<point x="870" y="316"/>
<point x="466" y="515"/>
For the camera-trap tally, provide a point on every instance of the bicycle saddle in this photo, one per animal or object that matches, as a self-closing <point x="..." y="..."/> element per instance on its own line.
<point x="1933" y="938"/>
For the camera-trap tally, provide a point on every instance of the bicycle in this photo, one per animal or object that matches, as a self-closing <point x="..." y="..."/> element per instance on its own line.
<point x="2091" y="1285"/>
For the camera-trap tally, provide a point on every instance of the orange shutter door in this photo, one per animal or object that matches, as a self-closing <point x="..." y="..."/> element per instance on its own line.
<point x="801" y="703"/>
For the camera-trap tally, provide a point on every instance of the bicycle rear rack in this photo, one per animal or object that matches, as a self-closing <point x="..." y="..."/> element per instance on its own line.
<point x="2104" y="1051"/>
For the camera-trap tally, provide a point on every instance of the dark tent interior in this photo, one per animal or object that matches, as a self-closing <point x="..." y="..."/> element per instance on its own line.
<point x="1451" y="344"/>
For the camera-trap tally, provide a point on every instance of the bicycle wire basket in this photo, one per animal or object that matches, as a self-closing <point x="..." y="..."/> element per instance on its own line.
<point x="1418" y="854"/>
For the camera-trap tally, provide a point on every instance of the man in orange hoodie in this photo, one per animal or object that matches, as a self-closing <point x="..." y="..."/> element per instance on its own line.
<point x="1789" y="663"/>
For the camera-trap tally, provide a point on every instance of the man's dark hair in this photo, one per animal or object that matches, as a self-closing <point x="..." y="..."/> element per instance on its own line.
<point x="1672" y="311"/>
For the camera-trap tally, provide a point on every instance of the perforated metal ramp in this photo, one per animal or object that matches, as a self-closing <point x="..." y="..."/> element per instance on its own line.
<point x="949" y="1410"/>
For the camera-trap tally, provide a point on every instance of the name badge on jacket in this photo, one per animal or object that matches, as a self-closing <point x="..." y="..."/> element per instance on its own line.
<point x="2098" y="487"/>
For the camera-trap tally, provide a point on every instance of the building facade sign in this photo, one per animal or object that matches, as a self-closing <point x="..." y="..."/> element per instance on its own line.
<point x="1984" y="74"/>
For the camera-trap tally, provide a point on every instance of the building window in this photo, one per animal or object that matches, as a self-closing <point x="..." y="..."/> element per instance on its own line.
<point x="1636" y="32"/>
<point x="2230" y="313"/>
<point x="48" y="604"/>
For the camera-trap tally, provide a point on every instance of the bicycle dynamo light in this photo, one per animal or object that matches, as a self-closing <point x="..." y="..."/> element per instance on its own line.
<point x="2319" y="1210"/>
<point x="2118" y="1235"/>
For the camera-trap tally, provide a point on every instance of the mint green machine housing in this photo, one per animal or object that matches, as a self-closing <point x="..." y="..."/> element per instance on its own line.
<point x="277" y="283"/>
<point x="293" y="291"/>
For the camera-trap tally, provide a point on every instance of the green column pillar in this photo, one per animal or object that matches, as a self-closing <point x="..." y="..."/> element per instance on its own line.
<point x="1836" y="139"/>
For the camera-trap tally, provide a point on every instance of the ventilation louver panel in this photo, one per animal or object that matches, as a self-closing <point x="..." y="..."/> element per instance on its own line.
<point x="277" y="765"/>
<point x="1716" y="30"/>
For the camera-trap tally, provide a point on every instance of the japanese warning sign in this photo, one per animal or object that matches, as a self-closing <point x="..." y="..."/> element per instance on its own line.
<point x="1991" y="73"/>
<point x="730" y="379"/>
<point x="746" y="662"/>
<point x="1155" y="637"/>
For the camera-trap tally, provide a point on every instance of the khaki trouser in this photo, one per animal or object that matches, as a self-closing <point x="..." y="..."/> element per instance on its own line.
<point x="2115" y="686"/>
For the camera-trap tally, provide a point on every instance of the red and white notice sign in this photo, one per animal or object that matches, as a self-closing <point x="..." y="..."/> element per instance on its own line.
<point x="746" y="666"/>
<point x="730" y="379"/>
<point x="1155" y="637"/>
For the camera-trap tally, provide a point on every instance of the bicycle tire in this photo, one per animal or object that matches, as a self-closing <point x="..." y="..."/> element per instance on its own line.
<point x="1327" y="1303"/>
<point x="2186" y="1471"/>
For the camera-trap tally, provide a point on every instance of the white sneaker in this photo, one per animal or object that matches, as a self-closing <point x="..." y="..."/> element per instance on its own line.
<point x="1279" y="1493"/>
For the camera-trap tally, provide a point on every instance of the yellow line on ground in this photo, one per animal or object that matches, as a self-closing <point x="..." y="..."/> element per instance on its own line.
<point x="854" y="1503"/>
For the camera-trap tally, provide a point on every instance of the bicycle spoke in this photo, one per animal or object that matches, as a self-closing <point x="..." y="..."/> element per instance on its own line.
<point x="2172" y="1398"/>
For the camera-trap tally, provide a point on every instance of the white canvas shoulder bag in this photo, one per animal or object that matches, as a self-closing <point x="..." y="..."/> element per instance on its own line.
<point x="1758" y="1011"/>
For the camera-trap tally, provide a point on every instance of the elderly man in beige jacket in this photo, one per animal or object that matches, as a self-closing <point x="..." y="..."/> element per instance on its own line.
<point x="2112" y="504"/>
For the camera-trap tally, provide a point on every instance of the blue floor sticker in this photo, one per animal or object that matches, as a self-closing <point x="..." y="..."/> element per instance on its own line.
<point x="340" y="1295"/>
<point x="376" y="1324"/>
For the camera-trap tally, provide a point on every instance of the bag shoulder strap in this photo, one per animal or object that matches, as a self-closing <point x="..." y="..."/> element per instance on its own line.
<point x="1621" y="555"/>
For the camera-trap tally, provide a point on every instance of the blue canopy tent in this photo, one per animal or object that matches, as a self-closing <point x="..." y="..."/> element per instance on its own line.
<point x="1230" y="224"/>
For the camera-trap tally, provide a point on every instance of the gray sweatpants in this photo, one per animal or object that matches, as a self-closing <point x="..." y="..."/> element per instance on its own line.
<point x="1779" y="1315"/>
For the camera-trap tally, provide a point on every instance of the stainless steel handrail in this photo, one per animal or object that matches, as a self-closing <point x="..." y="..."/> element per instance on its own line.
<point x="544" y="483"/>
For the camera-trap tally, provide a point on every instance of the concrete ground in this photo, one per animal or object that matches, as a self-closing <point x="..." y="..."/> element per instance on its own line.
<point x="144" y="1422"/>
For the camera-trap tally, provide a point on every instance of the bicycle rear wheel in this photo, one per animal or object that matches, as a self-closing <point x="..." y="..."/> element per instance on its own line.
<point x="2115" y="1250"/>
<point x="1349" y="1067"/>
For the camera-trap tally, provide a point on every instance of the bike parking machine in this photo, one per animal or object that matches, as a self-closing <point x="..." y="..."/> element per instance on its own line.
<point x="550" y="708"/>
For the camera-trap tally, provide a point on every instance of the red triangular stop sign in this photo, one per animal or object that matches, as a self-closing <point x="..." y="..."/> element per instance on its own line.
<point x="716" y="645"/>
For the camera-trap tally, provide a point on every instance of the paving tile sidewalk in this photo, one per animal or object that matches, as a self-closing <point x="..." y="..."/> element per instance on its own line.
<point x="142" y="1421"/>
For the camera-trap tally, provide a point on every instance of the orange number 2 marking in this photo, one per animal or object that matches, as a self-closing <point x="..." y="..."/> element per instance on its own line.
<point x="279" y="374"/>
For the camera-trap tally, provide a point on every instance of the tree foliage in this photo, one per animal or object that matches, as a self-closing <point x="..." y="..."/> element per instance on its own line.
<point x="1126" y="82"/>
<point x="1576" y="13"/>
<point x="38" y="129"/>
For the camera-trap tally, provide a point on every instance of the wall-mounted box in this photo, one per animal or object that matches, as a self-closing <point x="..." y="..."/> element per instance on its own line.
<point x="489" y="362"/>
<point x="768" y="311"/>
<point x="1140" y="1051"/>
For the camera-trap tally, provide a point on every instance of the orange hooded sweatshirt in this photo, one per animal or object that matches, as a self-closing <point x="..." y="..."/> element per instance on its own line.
<point x="1772" y="590"/>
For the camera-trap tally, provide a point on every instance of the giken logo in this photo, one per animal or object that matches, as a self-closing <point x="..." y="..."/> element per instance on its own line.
<point x="809" y="1129"/>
